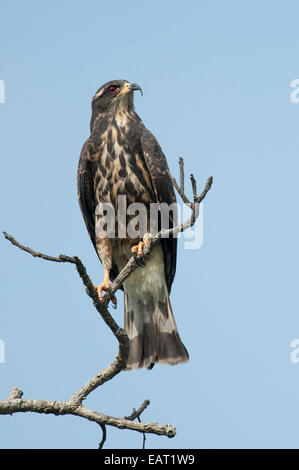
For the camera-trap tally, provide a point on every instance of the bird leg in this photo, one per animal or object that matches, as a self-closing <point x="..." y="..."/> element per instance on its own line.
<point x="105" y="285"/>
<point x="139" y="247"/>
<point x="104" y="249"/>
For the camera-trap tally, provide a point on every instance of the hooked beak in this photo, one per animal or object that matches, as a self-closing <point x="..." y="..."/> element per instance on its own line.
<point x="135" y="86"/>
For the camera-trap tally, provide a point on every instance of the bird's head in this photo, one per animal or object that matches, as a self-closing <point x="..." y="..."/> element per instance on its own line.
<point x="114" y="96"/>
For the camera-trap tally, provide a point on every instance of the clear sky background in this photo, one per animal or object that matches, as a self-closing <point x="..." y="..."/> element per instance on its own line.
<point x="216" y="80"/>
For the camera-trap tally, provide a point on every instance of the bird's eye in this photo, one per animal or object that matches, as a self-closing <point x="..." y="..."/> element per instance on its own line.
<point x="112" y="89"/>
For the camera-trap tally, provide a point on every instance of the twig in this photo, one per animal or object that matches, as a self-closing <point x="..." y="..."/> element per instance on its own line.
<point x="144" y="437"/>
<point x="136" y="413"/>
<point x="36" y="254"/>
<point x="104" y="437"/>
<point x="182" y="176"/>
<point x="194" y="189"/>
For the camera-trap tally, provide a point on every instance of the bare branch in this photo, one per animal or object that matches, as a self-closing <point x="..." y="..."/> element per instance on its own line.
<point x="106" y="374"/>
<point x="59" y="259"/>
<point x="91" y="291"/>
<point x="15" y="403"/>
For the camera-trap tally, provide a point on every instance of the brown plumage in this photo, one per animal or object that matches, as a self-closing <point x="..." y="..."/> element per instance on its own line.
<point x="122" y="158"/>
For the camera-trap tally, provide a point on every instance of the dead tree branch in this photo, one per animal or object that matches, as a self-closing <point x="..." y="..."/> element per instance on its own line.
<point x="16" y="403"/>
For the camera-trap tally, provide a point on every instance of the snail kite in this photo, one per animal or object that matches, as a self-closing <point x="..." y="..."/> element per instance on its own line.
<point x="122" y="158"/>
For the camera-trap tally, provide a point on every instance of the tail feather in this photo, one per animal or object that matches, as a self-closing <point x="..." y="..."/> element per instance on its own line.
<point x="151" y="328"/>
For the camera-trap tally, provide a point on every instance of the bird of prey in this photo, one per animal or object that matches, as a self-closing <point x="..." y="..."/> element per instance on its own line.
<point x="122" y="158"/>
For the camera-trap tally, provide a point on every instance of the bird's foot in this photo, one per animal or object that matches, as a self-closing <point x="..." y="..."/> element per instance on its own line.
<point x="138" y="249"/>
<point x="105" y="286"/>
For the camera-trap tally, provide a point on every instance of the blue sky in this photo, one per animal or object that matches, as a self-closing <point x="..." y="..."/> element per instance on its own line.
<point x="216" y="80"/>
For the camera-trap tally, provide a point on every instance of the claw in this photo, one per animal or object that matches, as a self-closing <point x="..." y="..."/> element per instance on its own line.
<point x="113" y="298"/>
<point x="139" y="260"/>
<point x="138" y="249"/>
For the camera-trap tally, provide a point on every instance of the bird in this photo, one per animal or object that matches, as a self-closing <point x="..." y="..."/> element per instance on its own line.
<point x="122" y="158"/>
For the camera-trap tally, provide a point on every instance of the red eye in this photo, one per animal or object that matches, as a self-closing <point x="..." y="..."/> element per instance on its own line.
<point x="112" y="89"/>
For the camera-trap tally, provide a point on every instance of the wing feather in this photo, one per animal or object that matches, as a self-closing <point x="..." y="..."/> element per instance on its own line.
<point x="159" y="172"/>
<point x="86" y="193"/>
<point x="86" y="197"/>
